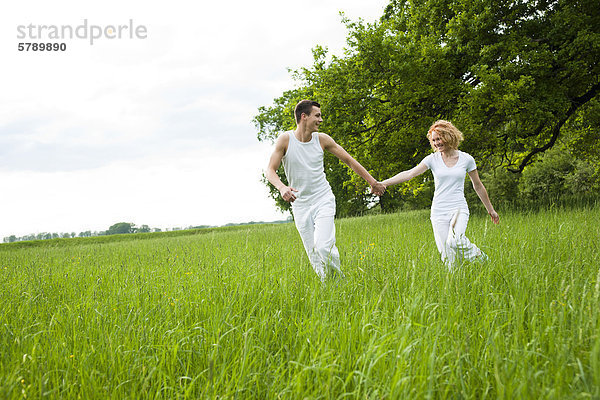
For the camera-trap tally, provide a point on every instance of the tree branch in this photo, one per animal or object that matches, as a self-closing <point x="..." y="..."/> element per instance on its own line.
<point x="370" y="137"/>
<point x="575" y="104"/>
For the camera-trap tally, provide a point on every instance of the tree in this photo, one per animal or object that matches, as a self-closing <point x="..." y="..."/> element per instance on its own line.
<point x="144" y="229"/>
<point x="10" y="239"/>
<point x="515" y="76"/>
<point x="120" y="228"/>
<point x="558" y="174"/>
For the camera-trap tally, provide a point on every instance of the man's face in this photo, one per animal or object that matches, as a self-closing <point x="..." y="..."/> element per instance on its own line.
<point x="314" y="119"/>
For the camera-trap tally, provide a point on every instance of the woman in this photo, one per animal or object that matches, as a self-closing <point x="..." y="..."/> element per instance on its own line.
<point x="449" y="210"/>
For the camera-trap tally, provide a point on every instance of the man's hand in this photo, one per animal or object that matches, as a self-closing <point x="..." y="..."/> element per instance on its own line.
<point x="287" y="193"/>
<point x="378" y="188"/>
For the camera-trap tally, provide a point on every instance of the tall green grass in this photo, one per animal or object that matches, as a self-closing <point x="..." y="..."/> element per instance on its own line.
<point x="239" y="313"/>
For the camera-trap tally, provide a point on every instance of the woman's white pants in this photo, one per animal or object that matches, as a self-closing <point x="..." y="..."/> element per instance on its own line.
<point x="315" y="223"/>
<point x="449" y="232"/>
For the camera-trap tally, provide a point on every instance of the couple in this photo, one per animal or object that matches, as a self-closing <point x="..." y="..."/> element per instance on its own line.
<point x="313" y="203"/>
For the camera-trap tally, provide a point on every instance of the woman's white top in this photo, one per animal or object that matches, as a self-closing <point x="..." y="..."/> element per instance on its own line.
<point x="303" y="166"/>
<point x="449" y="193"/>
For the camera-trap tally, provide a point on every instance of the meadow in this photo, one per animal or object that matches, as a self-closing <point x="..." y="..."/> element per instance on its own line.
<point x="239" y="313"/>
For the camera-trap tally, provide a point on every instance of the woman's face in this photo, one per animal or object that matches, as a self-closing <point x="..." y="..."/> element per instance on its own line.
<point x="437" y="142"/>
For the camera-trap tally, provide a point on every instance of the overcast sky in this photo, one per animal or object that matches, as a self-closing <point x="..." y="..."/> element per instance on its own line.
<point x="153" y="130"/>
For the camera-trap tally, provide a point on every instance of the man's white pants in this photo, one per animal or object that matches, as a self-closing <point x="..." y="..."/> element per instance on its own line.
<point x="315" y="223"/>
<point x="449" y="232"/>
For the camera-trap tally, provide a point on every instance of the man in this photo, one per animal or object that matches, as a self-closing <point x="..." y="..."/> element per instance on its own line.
<point x="309" y="193"/>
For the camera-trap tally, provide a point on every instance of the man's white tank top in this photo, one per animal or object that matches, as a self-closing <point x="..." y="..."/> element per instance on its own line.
<point x="303" y="166"/>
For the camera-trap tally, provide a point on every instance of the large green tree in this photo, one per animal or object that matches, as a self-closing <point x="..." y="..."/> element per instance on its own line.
<point x="515" y="76"/>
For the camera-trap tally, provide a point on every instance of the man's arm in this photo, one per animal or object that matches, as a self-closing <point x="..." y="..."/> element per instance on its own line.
<point x="287" y="192"/>
<point x="331" y="146"/>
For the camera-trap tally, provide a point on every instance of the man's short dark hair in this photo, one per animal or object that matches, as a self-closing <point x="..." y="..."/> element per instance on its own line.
<point x="304" y="107"/>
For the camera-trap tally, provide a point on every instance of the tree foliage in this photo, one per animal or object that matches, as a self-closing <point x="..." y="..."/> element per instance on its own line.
<point x="514" y="75"/>
<point x="558" y="174"/>
<point x="121" y="227"/>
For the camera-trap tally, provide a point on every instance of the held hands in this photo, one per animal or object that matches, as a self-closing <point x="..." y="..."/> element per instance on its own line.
<point x="287" y="193"/>
<point x="378" y="188"/>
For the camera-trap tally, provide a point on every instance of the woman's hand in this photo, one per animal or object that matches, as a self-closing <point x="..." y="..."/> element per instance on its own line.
<point x="495" y="216"/>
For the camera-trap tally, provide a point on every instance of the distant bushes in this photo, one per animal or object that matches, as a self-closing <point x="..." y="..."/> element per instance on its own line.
<point x="116" y="229"/>
<point x="119" y="232"/>
<point x="558" y="177"/>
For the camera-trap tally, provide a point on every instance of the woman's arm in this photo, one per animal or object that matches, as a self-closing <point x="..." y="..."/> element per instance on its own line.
<point x="483" y="195"/>
<point x="405" y="175"/>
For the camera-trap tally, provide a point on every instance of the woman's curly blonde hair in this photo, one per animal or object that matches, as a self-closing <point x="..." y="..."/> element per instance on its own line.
<point x="449" y="134"/>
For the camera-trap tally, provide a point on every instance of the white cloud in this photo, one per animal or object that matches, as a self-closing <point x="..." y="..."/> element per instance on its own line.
<point x="194" y="188"/>
<point x="163" y="121"/>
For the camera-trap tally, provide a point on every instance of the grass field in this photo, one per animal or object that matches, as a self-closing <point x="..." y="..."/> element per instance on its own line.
<point x="239" y="313"/>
